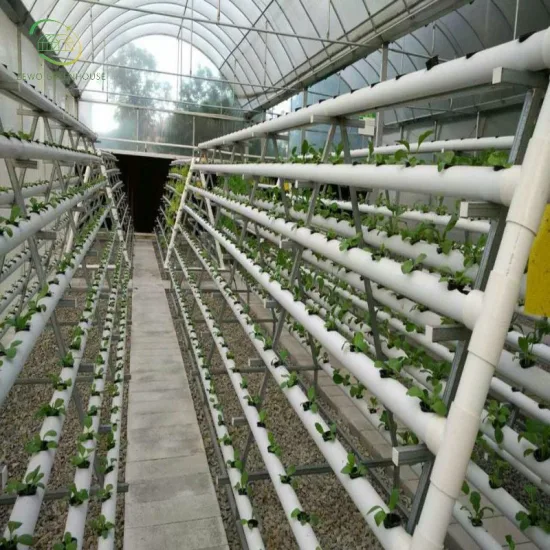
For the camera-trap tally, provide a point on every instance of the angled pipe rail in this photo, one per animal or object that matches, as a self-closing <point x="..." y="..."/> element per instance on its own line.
<point x="27" y="508"/>
<point x="108" y="506"/>
<point x="463" y="74"/>
<point x="76" y="517"/>
<point x="12" y="367"/>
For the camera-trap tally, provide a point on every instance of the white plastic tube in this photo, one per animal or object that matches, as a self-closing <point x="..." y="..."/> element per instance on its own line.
<point x="391" y="392"/>
<point x="466" y="182"/>
<point x="360" y="490"/>
<point x="76" y="517"/>
<point x="304" y="534"/>
<point x="466" y="144"/>
<point x="18" y="88"/>
<point x="12" y="367"/>
<point x="26" y="509"/>
<point x="462" y="73"/>
<point x="419" y="286"/>
<point x="28" y="228"/>
<point x="488" y="337"/>
<point x="28" y="150"/>
<point x="244" y="506"/>
<point x="108" y="507"/>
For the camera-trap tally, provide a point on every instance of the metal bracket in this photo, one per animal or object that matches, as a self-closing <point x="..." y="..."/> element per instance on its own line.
<point x="255" y="362"/>
<point x="22" y="163"/>
<point x="46" y="235"/>
<point x="446" y="333"/>
<point x="529" y="79"/>
<point x="104" y="428"/>
<point x="349" y="122"/>
<point x="410" y="454"/>
<point x="67" y="303"/>
<point x="269" y="303"/>
<point x="239" y="421"/>
<point x="479" y="209"/>
<point x="286" y="244"/>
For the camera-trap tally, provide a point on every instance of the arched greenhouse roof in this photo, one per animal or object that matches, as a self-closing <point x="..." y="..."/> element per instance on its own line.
<point x="303" y="41"/>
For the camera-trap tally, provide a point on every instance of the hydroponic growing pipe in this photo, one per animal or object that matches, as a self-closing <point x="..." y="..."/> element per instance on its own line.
<point x="76" y="517"/>
<point x="392" y="393"/>
<point x="27" y="228"/>
<point x="508" y="505"/>
<point x="304" y="534"/>
<point x="23" y="90"/>
<point x="27" y="508"/>
<point x="480" y="183"/>
<point x="488" y="336"/>
<point x="29" y="150"/>
<point x="244" y="506"/>
<point x="360" y="490"/>
<point x="12" y="367"/>
<point x="465" y="144"/>
<point x="419" y="286"/>
<point x="534" y="379"/>
<point x="529" y="54"/>
<point x="108" y="507"/>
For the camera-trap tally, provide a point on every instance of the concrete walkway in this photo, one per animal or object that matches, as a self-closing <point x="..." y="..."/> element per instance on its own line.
<point x="171" y="502"/>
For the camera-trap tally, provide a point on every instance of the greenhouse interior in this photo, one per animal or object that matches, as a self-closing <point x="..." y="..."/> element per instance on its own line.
<point x="275" y="274"/>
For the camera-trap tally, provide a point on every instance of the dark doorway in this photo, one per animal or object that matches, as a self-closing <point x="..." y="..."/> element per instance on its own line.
<point x="143" y="179"/>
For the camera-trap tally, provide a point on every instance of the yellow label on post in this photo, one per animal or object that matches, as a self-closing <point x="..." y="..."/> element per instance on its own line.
<point x="537" y="298"/>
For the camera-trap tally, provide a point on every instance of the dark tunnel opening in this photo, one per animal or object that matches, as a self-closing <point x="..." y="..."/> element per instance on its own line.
<point x="143" y="178"/>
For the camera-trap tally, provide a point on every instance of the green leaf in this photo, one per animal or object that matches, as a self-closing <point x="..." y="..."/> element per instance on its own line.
<point x="400" y="155"/>
<point x="394" y="499"/>
<point x="26" y="540"/>
<point x="415" y="391"/>
<point x="439" y="408"/>
<point x="510" y="541"/>
<point x="407" y="267"/>
<point x="405" y="144"/>
<point x="379" y="517"/>
<point x="423" y="137"/>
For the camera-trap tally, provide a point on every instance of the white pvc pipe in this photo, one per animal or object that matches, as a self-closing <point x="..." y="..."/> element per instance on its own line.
<point x="437" y="435"/>
<point x="243" y="503"/>
<point x="360" y="490"/>
<point x="391" y="392"/>
<point x="15" y="86"/>
<point x="419" y="286"/>
<point x="28" y="150"/>
<point x="8" y="197"/>
<point x="479" y="183"/>
<point x="465" y="144"/>
<point x="179" y="213"/>
<point x="108" y="507"/>
<point x="488" y="336"/>
<point x="462" y="73"/>
<point x="304" y="534"/>
<point x="26" y="509"/>
<point x="76" y="517"/>
<point x="11" y="368"/>
<point x="28" y="228"/>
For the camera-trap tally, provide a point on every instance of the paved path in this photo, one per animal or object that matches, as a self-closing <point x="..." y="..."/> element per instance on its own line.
<point x="171" y="502"/>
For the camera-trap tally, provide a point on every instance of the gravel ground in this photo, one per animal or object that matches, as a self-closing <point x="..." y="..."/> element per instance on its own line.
<point x="18" y="424"/>
<point x="341" y="525"/>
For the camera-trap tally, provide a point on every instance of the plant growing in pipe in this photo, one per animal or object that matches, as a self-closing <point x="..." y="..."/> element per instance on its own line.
<point x="304" y="517"/>
<point x="476" y="512"/>
<point x="251" y="523"/>
<point x="389" y="519"/>
<point x="57" y="409"/>
<point x="273" y="446"/>
<point x="68" y="543"/>
<point x="287" y="477"/>
<point x="38" y="444"/>
<point x="82" y="458"/>
<point x="536" y="515"/>
<point x="411" y="264"/>
<point x="430" y="402"/>
<point x="29" y="486"/>
<point x="352" y="469"/>
<point x="13" y="539"/>
<point x="77" y="496"/>
<point x="328" y="435"/>
<point x="311" y="403"/>
<point x="242" y="485"/>
<point x="498" y="417"/>
<point x="100" y="526"/>
<point x="537" y="433"/>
